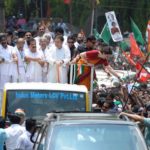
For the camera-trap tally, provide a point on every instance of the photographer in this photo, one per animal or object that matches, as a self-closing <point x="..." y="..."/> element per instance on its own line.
<point x="24" y="142"/>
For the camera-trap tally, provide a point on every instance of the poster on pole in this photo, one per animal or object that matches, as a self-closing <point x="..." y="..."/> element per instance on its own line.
<point x="113" y="26"/>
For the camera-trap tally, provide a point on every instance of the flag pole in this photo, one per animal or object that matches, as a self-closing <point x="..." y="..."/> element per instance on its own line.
<point x="147" y="57"/>
<point x="92" y="17"/>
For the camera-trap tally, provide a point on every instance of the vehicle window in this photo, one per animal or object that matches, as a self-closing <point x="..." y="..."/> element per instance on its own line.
<point x="38" y="103"/>
<point x="96" y="137"/>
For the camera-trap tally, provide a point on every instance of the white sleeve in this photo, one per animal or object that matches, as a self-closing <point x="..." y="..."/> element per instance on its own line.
<point x="21" y="144"/>
<point x="67" y="56"/>
<point x="49" y="57"/>
<point x="26" y="53"/>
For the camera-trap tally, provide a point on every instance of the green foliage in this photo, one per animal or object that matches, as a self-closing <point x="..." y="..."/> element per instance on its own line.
<point x="137" y="9"/>
<point x="81" y="10"/>
<point x="9" y="7"/>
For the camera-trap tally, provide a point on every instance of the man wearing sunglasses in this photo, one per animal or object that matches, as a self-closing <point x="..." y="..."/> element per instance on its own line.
<point x="72" y="48"/>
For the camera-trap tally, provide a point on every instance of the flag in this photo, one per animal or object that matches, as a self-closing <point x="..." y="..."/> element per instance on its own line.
<point x="67" y="1"/>
<point x="142" y="75"/>
<point x="137" y="33"/>
<point x="105" y="34"/>
<point x="77" y="71"/>
<point x="135" y="50"/>
<point x="148" y="36"/>
<point x="96" y="34"/>
<point x="124" y="45"/>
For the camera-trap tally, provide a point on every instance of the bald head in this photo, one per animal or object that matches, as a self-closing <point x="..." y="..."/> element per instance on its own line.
<point x="43" y="43"/>
<point x="20" y="43"/>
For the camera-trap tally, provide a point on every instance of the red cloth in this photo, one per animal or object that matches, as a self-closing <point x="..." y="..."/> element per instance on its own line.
<point x="93" y="56"/>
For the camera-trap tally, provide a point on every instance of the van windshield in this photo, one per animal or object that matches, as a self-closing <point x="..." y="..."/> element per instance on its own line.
<point x="37" y="103"/>
<point x="95" y="137"/>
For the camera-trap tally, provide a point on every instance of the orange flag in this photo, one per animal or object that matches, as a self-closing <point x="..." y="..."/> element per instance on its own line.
<point x="135" y="50"/>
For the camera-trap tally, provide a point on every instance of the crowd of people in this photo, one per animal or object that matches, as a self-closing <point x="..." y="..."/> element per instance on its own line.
<point x="17" y="135"/>
<point x="46" y="57"/>
<point x="42" y="58"/>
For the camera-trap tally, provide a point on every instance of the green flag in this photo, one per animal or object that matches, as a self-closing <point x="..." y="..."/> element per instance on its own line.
<point x="105" y="34"/>
<point x="137" y="33"/>
<point x="124" y="45"/>
<point x="96" y="34"/>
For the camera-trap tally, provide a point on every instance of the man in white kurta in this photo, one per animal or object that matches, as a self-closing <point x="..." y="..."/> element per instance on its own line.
<point x="20" y="52"/>
<point x="27" y="36"/>
<point x="41" y="31"/>
<point x="34" y="59"/>
<point x="44" y="49"/>
<point x="6" y="66"/>
<point x="58" y="59"/>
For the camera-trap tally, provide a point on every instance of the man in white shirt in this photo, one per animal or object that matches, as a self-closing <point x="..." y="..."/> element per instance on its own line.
<point x="13" y="132"/>
<point x="34" y="60"/>
<point x="24" y="142"/>
<point x="80" y="40"/>
<point x="58" y="59"/>
<point x="49" y="40"/>
<point x="8" y="69"/>
<point x="27" y="36"/>
<point x="44" y="50"/>
<point x="20" y="52"/>
<point x="41" y="31"/>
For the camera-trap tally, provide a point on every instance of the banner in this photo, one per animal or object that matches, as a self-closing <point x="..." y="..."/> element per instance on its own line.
<point x="113" y="26"/>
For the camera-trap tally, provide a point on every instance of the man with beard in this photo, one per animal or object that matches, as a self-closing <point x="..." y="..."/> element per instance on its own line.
<point x="27" y="37"/>
<point x="80" y="40"/>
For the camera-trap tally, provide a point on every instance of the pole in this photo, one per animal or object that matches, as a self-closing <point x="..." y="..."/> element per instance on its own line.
<point x="91" y="86"/>
<point x="70" y="13"/>
<point x="92" y="18"/>
<point x="41" y="4"/>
